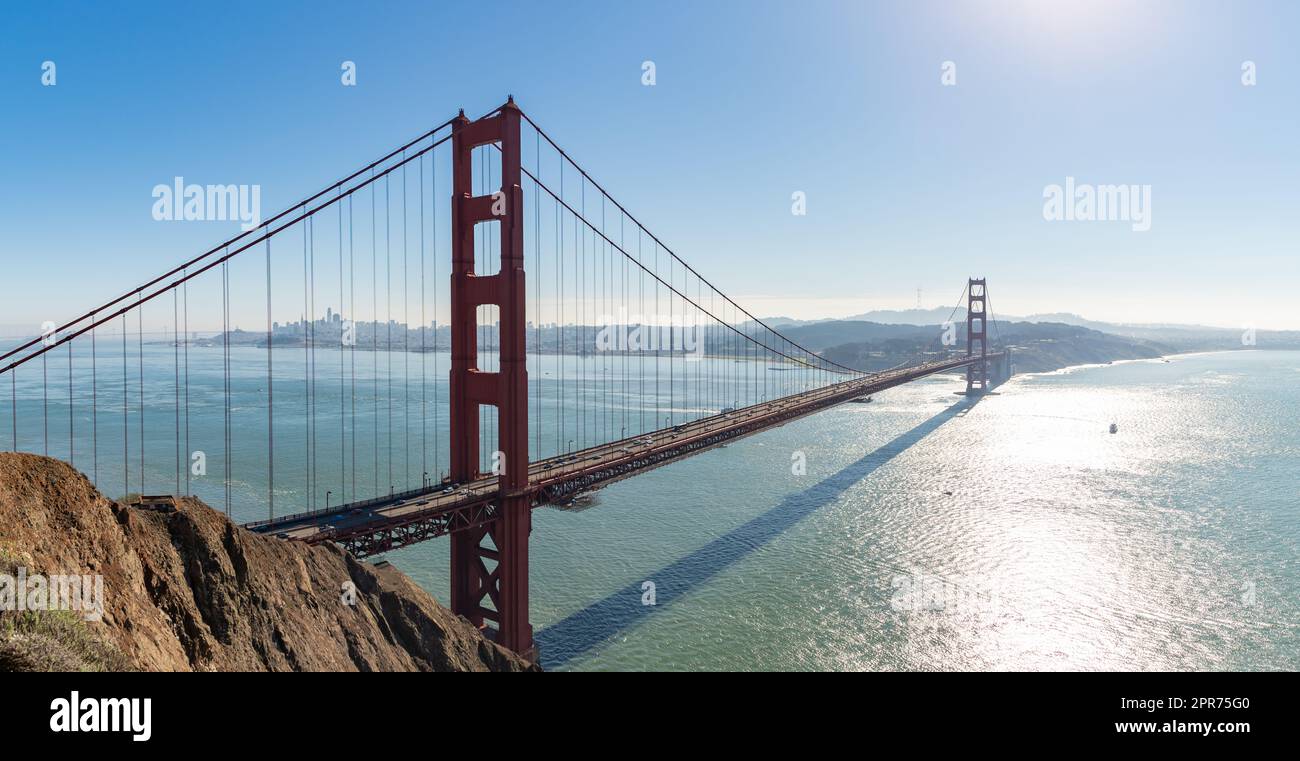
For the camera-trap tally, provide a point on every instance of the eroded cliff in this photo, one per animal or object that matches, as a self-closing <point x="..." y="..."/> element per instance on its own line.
<point x="189" y="590"/>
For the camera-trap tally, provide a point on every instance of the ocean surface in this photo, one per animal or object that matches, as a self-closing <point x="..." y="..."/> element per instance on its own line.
<point x="916" y="532"/>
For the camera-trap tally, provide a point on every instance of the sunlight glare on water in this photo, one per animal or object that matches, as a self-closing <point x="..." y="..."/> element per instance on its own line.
<point x="1034" y="538"/>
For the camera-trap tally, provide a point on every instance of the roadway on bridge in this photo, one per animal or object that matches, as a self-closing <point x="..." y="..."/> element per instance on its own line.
<point x="324" y="525"/>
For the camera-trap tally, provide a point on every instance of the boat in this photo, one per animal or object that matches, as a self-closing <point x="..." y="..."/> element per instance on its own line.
<point x="862" y="400"/>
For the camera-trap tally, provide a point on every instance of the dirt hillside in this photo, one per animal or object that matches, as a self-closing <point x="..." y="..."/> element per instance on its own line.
<point x="189" y="590"/>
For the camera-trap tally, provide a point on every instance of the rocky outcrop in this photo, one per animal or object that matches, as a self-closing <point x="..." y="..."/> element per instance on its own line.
<point x="189" y="590"/>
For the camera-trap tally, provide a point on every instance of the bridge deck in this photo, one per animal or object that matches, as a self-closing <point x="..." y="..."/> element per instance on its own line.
<point x="374" y="526"/>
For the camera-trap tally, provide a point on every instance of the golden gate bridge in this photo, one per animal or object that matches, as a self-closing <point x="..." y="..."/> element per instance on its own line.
<point x="540" y="254"/>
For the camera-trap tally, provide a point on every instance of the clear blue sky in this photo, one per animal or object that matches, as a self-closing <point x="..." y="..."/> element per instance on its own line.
<point x="909" y="183"/>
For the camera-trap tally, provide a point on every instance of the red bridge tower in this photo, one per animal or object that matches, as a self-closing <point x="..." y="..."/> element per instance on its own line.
<point x="977" y="373"/>
<point x="489" y="563"/>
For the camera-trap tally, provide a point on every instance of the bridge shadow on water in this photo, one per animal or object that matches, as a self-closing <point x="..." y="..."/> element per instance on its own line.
<point x="583" y="630"/>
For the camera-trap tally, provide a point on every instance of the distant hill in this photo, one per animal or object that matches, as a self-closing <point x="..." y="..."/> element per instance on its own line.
<point x="1045" y="346"/>
<point x="820" y="335"/>
<point x="781" y="322"/>
<point x="1172" y="337"/>
<point x="934" y="316"/>
<point x="1036" y="347"/>
<point x="1069" y="318"/>
<point x="1183" y="337"/>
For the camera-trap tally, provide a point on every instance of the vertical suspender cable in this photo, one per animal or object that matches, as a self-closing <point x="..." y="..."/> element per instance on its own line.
<point x="311" y="321"/>
<point x="406" y="344"/>
<point x="126" y="425"/>
<point x="642" y="327"/>
<point x="139" y="314"/>
<point x="94" y="401"/>
<point x="424" y="399"/>
<point x="537" y="309"/>
<point x="352" y="348"/>
<point x="388" y="283"/>
<point x="343" y="426"/>
<point x="433" y="199"/>
<point x="558" y="362"/>
<point x="225" y="336"/>
<point x="622" y="243"/>
<point x="270" y="393"/>
<point x="560" y="442"/>
<point x="306" y="369"/>
<point x="583" y="280"/>
<point x="72" y="455"/>
<point x="176" y="381"/>
<point x="374" y="327"/>
<point x="189" y="453"/>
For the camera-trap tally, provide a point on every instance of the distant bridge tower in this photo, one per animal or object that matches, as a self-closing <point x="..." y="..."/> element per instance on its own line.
<point x="495" y="573"/>
<point x="977" y="373"/>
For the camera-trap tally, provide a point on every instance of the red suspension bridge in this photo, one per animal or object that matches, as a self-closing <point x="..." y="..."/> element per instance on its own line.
<point x="612" y="358"/>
